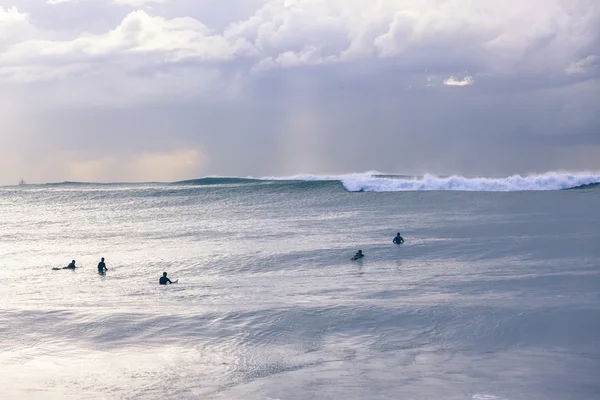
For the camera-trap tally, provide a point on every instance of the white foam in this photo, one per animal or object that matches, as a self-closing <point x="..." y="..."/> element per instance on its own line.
<point x="547" y="181"/>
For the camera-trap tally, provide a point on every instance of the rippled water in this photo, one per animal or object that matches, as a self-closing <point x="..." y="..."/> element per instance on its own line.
<point x="493" y="295"/>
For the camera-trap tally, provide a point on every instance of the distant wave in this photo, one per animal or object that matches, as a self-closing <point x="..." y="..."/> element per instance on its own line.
<point x="218" y="181"/>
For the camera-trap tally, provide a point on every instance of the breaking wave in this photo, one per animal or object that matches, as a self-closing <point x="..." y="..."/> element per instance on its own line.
<point x="377" y="182"/>
<point x="547" y="181"/>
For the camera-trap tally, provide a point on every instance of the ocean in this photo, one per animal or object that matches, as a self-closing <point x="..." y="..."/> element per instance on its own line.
<point x="495" y="294"/>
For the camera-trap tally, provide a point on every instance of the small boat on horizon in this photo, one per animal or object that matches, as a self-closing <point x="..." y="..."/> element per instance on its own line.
<point x="22" y="182"/>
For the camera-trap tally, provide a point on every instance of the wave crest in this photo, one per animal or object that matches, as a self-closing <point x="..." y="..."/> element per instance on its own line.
<point x="542" y="182"/>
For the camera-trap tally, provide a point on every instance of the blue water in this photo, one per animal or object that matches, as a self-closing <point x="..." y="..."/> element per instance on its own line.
<point x="494" y="295"/>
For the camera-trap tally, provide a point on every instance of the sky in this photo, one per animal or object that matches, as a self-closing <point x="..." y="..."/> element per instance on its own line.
<point x="166" y="90"/>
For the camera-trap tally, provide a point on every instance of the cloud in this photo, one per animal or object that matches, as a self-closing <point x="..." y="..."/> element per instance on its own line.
<point x="142" y="49"/>
<point x="12" y="14"/>
<point x="312" y="32"/>
<point x="583" y="65"/>
<point x="452" y="81"/>
<point x="138" y="33"/>
<point x="281" y="86"/>
<point x="14" y="27"/>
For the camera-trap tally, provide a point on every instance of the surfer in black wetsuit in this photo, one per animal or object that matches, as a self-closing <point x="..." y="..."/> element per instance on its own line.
<point x="358" y="255"/>
<point x="398" y="239"/>
<point x="164" y="280"/>
<point x="70" y="266"/>
<point x="102" y="266"/>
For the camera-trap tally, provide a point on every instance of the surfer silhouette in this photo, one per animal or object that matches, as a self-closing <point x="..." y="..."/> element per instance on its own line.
<point x="102" y="266"/>
<point x="164" y="280"/>
<point x="358" y="255"/>
<point x="70" y="266"/>
<point x="398" y="239"/>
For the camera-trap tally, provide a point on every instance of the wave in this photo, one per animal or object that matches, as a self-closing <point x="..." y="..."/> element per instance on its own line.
<point x="211" y="181"/>
<point x="378" y="182"/>
<point x="586" y="186"/>
<point x="374" y="181"/>
<point x="544" y="182"/>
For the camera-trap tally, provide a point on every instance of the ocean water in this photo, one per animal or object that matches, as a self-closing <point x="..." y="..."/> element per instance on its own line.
<point x="495" y="295"/>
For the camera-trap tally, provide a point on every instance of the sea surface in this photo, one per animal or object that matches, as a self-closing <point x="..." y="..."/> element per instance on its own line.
<point x="495" y="294"/>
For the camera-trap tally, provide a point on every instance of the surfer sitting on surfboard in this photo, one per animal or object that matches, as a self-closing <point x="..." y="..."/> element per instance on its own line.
<point x="164" y="280"/>
<point x="358" y="255"/>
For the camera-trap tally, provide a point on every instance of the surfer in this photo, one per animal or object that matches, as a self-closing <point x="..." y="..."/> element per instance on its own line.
<point x="102" y="266"/>
<point x="164" y="280"/>
<point x="70" y="266"/>
<point x="398" y="239"/>
<point x="358" y="255"/>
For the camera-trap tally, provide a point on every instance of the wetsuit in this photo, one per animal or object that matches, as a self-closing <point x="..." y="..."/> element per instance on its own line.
<point x="164" y="280"/>
<point x="398" y="239"/>
<point x="101" y="266"/>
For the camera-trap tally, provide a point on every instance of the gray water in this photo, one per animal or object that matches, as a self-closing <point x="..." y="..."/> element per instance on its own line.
<point x="494" y="295"/>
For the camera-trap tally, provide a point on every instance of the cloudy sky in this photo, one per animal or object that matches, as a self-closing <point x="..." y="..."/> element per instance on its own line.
<point x="162" y="90"/>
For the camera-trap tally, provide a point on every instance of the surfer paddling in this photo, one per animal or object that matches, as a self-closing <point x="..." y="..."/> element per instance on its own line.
<point x="70" y="266"/>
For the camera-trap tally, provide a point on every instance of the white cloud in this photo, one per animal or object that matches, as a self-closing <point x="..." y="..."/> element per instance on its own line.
<point x="387" y="27"/>
<point x="14" y="27"/>
<point x="139" y="32"/>
<point x="466" y="81"/>
<point x="8" y="15"/>
<point x="418" y="34"/>
<point x="583" y="65"/>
